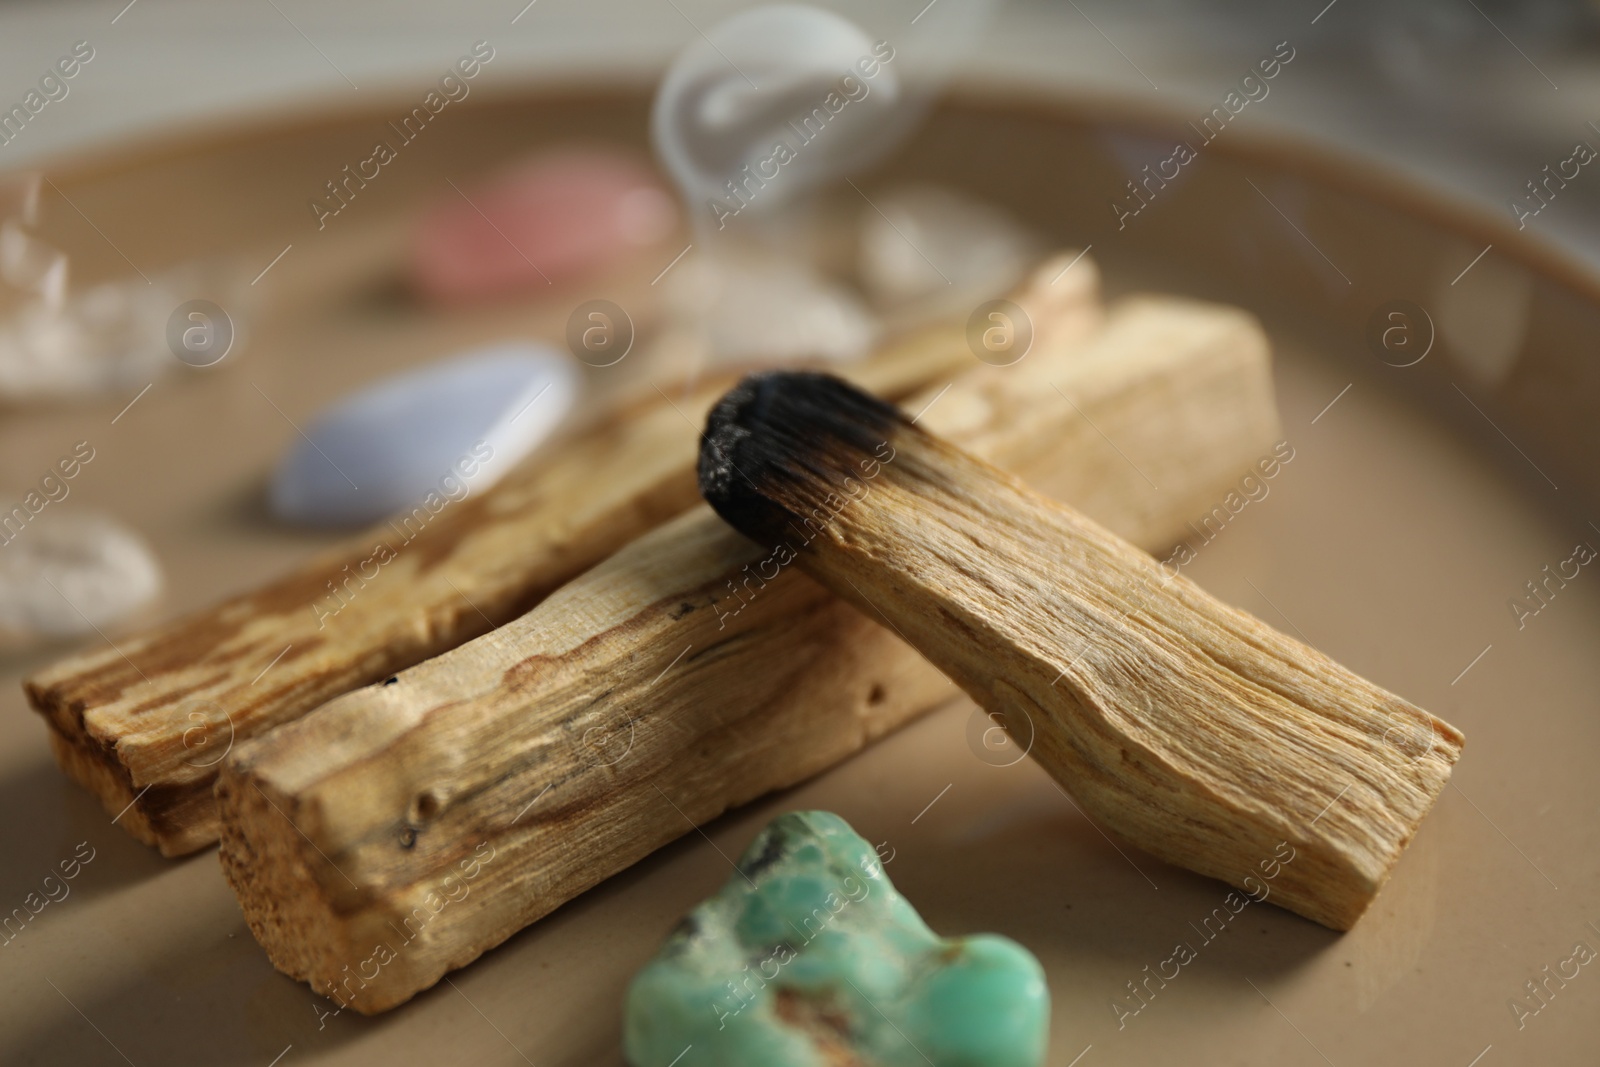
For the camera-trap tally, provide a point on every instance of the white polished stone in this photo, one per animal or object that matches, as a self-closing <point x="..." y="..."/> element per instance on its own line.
<point x="67" y="574"/>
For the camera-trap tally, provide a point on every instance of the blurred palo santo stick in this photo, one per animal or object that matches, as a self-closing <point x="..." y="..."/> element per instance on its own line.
<point x="1189" y="727"/>
<point x="145" y="724"/>
<point x="403" y="829"/>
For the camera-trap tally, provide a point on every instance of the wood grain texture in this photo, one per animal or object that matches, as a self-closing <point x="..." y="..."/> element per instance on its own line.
<point x="144" y="725"/>
<point x="1190" y="727"/>
<point x="684" y="675"/>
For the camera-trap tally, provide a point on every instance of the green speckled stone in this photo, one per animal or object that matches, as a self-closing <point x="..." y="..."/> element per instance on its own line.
<point x="809" y="957"/>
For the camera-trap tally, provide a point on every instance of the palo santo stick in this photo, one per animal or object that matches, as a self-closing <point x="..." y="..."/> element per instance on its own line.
<point x="401" y="830"/>
<point x="144" y="725"/>
<point x="1191" y="728"/>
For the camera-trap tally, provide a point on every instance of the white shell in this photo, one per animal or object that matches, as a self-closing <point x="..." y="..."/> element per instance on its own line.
<point x="450" y="428"/>
<point x="66" y="574"/>
<point x="731" y="95"/>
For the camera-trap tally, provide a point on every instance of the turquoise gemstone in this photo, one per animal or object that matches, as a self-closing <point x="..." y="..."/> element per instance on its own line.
<point x="809" y="957"/>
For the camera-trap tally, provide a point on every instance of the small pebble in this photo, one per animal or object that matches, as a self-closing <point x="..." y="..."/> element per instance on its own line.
<point x="808" y="957"/>
<point x="924" y="246"/>
<point x="63" y="575"/>
<point x="427" y="437"/>
<point x="548" y="220"/>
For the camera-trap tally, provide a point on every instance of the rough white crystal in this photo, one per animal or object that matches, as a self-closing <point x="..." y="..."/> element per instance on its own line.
<point x="929" y="248"/>
<point x="762" y="310"/>
<point x="57" y="342"/>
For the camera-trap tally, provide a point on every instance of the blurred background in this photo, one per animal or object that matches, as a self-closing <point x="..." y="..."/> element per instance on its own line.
<point x="1473" y="97"/>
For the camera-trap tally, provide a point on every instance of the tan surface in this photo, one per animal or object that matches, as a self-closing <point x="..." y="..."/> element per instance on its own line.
<point x="1390" y="542"/>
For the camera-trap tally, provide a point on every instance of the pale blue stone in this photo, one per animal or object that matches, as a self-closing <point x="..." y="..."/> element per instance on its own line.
<point x="434" y="434"/>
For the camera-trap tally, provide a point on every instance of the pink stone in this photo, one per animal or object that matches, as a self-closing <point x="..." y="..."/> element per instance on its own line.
<point x="551" y="218"/>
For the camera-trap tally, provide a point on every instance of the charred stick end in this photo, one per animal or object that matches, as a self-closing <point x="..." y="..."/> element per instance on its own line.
<point x="780" y="442"/>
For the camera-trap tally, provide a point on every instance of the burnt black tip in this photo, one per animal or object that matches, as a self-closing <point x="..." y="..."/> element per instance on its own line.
<point x="780" y="439"/>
